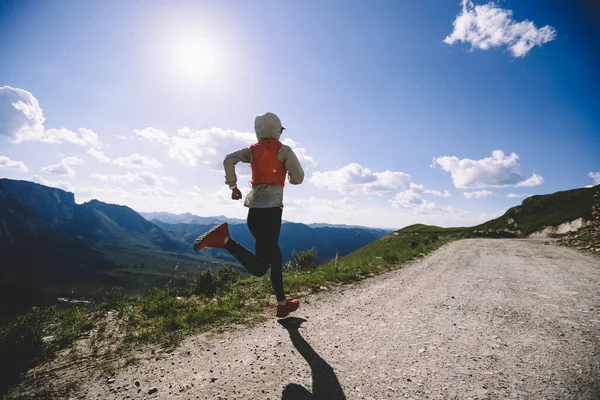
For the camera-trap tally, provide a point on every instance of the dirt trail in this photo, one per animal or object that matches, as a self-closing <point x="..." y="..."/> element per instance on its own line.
<point x="496" y="319"/>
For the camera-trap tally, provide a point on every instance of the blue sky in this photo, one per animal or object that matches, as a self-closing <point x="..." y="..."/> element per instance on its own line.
<point x="400" y="111"/>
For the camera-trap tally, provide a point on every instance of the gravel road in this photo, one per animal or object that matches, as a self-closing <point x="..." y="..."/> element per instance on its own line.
<point x="495" y="319"/>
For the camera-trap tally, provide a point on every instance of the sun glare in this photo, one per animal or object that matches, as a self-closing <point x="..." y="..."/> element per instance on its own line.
<point x="195" y="59"/>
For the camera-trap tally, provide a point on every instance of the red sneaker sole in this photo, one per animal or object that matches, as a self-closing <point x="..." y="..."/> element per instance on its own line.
<point x="200" y="239"/>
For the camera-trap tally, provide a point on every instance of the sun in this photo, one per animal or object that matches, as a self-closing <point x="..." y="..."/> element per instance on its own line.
<point x="195" y="58"/>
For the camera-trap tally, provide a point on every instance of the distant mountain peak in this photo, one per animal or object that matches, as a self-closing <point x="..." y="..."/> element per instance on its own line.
<point x="189" y="218"/>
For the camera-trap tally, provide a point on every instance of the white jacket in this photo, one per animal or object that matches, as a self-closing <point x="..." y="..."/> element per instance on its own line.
<point x="267" y="126"/>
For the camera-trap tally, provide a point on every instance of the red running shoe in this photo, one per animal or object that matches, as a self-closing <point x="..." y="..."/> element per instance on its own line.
<point x="291" y="306"/>
<point x="213" y="238"/>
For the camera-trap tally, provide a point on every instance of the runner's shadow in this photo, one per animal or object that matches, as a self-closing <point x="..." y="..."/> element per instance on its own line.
<point x="325" y="383"/>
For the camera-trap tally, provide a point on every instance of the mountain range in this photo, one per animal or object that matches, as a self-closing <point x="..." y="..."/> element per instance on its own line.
<point x="188" y="218"/>
<point x="327" y="241"/>
<point x="51" y="246"/>
<point x="577" y="210"/>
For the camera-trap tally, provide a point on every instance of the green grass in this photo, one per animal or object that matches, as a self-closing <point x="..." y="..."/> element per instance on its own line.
<point x="421" y="228"/>
<point x="538" y="212"/>
<point x="209" y="300"/>
<point x="533" y="215"/>
<point x="189" y="304"/>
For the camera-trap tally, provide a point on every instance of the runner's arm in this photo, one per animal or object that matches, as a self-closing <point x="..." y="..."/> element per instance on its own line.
<point x="295" y="171"/>
<point x="243" y="155"/>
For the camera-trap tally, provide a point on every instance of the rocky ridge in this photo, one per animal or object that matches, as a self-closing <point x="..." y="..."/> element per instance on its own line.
<point x="587" y="237"/>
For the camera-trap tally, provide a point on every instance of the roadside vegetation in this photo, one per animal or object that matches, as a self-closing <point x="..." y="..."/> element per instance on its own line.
<point x="211" y="299"/>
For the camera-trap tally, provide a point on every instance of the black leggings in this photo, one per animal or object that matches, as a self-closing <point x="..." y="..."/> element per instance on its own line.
<point x="265" y="225"/>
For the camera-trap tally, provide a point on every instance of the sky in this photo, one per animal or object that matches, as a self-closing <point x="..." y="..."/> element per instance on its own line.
<point x="401" y="112"/>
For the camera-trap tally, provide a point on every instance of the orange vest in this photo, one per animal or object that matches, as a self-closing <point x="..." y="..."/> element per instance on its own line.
<point x="266" y="168"/>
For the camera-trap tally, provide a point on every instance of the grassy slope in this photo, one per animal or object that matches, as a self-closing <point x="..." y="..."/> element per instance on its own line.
<point x="538" y="212"/>
<point x="165" y="315"/>
<point x="534" y="214"/>
<point x="392" y="251"/>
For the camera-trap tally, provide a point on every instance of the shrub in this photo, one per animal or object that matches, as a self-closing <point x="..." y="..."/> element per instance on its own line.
<point x="205" y="283"/>
<point x="306" y="260"/>
<point x="208" y="283"/>
<point x="389" y="257"/>
<point x="288" y="266"/>
<point x="115" y="299"/>
<point x="21" y="346"/>
<point x="226" y="276"/>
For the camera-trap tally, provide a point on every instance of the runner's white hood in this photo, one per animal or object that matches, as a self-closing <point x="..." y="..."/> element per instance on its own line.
<point x="267" y="126"/>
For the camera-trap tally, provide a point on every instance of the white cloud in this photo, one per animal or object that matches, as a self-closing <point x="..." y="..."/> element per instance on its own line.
<point x="87" y="193"/>
<point x="422" y="206"/>
<point x="484" y="217"/>
<point x="313" y="202"/>
<point x="517" y="195"/>
<point x="220" y="196"/>
<point x="419" y="190"/>
<point x="156" y="192"/>
<point x="98" y="155"/>
<point x="21" y="117"/>
<point x="137" y="161"/>
<point x="498" y="170"/>
<point x="313" y="209"/>
<point x="354" y="179"/>
<point x="596" y="177"/>
<point x="210" y="146"/>
<point x="19" y="166"/>
<point x="101" y="177"/>
<point x="56" y="184"/>
<point x="60" y="169"/>
<point x="487" y="26"/>
<point x="533" y="180"/>
<point x="478" y="194"/>
<point x="306" y="161"/>
<point x="207" y="146"/>
<point x="146" y="177"/>
<point x="83" y="137"/>
<point x="151" y="179"/>
<point x="72" y="161"/>
<point x="412" y="199"/>
<point x="153" y="135"/>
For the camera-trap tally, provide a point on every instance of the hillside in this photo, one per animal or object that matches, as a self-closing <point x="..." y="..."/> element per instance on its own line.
<point x="327" y="241"/>
<point x="50" y="246"/>
<point x="30" y="209"/>
<point x="165" y="315"/>
<point x="477" y="319"/>
<point x="539" y="212"/>
<point x="111" y="225"/>
<point x="188" y="218"/>
<point x="533" y="215"/>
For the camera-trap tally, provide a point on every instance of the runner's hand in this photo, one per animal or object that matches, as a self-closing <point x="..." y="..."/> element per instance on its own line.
<point x="236" y="194"/>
